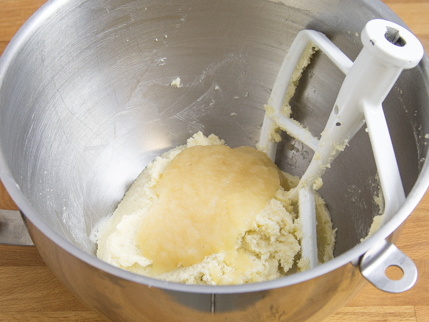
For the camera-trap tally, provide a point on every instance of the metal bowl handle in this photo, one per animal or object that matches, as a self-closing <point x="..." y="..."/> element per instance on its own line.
<point x="375" y="262"/>
<point x="13" y="230"/>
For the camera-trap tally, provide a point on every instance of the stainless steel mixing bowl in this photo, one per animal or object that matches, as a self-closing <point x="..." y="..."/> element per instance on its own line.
<point x="86" y="103"/>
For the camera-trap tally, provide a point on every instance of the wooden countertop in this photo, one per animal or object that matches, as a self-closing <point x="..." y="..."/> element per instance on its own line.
<point x="30" y="292"/>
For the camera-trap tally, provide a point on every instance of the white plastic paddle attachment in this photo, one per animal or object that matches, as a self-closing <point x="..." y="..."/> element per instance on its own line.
<point x="387" y="49"/>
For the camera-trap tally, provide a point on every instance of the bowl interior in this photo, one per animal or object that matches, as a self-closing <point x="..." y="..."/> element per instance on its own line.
<point x="86" y="101"/>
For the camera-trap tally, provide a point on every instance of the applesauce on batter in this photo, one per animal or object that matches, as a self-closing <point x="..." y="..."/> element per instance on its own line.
<point x="208" y="196"/>
<point x="204" y="213"/>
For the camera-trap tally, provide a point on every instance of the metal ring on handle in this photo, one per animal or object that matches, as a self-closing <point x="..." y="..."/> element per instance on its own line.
<point x="375" y="262"/>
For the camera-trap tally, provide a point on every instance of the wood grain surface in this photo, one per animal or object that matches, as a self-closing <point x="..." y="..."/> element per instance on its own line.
<point x="30" y="292"/>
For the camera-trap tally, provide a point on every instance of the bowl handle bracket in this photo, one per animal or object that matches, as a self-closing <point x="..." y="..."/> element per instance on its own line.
<point x="13" y="229"/>
<point x="377" y="260"/>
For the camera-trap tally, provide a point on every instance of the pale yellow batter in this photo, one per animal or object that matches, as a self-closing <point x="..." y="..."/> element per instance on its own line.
<point x="204" y="213"/>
